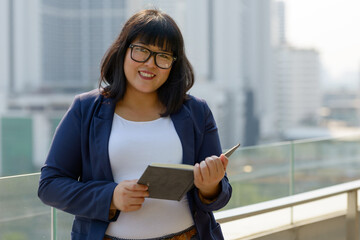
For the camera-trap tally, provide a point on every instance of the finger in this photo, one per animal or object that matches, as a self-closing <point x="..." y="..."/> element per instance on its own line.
<point x="136" y="200"/>
<point x="138" y="194"/>
<point x="224" y="160"/>
<point x="134" y="186"/>
<point x="197" y="173"/>
<point x="204" y="170"/>
<point x="131" y="199"/>
<point x="131" y="208"/>
<point x="127" y="192"/>
<point x="134" y="194"/>
<point x="220" y="166"/>
<point x="212" y="165"/>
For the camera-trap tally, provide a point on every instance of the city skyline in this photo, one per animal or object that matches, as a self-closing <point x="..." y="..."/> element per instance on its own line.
<point x="258" y="86"/>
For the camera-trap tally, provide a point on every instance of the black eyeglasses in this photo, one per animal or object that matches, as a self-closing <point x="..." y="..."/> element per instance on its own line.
<point x="142" y="54"/>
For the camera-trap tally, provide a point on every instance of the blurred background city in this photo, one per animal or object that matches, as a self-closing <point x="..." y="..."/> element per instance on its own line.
<point x="281" y="77"/>
<point x="270" y="70"/>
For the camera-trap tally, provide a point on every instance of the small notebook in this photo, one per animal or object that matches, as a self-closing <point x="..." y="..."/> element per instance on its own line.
<point x="171" y="181"/>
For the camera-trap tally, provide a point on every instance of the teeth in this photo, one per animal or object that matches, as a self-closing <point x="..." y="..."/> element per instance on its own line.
<point x="146" y="74"/>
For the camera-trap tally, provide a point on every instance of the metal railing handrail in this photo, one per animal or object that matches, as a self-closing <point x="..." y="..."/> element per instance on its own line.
<point x="352" y="215"/>
<point x="20" y="175"/>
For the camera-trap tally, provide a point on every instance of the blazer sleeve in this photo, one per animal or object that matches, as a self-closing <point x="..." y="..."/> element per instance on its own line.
<point x="60" y="183"/>
<point x="209" y="146"/>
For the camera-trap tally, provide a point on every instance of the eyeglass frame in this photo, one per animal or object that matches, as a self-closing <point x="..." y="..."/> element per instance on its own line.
<point x="152" y="53"/>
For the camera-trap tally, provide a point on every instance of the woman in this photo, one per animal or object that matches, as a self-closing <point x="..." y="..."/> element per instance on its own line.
<point x="140" y="114"/>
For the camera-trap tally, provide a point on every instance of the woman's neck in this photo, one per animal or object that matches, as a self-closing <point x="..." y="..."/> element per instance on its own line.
<point x="139" y="107"/>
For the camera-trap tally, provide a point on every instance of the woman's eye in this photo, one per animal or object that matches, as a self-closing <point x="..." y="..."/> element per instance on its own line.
<point x="165" y="56"/>
<point x="140" y="49"/>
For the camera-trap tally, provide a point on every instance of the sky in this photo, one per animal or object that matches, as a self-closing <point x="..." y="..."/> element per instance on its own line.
<point x="333" y="28"/>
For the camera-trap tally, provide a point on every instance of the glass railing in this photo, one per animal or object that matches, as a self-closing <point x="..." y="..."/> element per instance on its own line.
<point x="268" y="172"/>
<point x="257" y="174"/>
<point x="22" y="215"/>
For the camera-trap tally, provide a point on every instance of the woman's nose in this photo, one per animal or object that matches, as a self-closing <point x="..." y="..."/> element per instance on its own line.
<point x="151" y="61"/>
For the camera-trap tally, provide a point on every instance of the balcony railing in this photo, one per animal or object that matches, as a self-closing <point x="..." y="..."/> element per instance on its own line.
<point x="257" y="174"/>
<point x="290" y="203"/>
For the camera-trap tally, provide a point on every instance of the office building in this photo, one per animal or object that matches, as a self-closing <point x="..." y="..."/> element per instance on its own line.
<point x="298" y="93"/>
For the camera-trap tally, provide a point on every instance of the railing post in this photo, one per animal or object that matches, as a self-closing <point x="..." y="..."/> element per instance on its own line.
<point x="291" y="180"/>
<point x="292" y="168"/>
<point x="53" y="223"/>
<point x="352" y="216"/>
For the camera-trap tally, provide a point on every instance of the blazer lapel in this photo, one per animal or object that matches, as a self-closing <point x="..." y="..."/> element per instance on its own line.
<point x="101" y="129"/>
<point x="184" y="127"/>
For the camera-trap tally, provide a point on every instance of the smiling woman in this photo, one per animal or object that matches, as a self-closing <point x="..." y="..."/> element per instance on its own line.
<point x="141" y="113"/>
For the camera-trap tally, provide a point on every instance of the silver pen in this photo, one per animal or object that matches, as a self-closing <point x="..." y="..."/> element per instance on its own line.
<point x="231" y="150"/>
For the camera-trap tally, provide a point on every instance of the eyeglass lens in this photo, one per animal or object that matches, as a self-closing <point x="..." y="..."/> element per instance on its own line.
<point x="162" y="60"/>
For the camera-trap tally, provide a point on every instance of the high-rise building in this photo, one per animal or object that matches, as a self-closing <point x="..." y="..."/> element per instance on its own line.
<point x="278" y="23"/>
<point x="57" y="46"/>
<point x="298" y="94"/>
<point x="4" y="56"/>
<point x="75" y="36"/>
<point x="52" y="50"/>
<point x="296" y="86"/>
<point x="22" y="45"/>
<point x="256" y="68"/>
<point x="227" y="50"/>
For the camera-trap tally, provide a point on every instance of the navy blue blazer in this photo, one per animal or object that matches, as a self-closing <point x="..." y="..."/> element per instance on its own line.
<point x="77" y="176"/>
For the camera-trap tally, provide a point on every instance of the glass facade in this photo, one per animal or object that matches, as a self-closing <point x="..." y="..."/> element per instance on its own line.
<point x="75" y="36"/>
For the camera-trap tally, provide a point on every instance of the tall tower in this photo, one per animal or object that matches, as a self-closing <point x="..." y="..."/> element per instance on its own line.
<point x="298" y="88"/>
<point x="278" y="24"/>
<point x="256" y="68"/>
<point x="296" y="81"/>
<point x="5" y="53"/>
<point x="75" y="36"/>
<point x="20" y="40"/>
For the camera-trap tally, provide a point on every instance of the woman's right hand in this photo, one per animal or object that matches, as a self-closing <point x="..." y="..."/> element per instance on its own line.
<point x="129" y="196"/>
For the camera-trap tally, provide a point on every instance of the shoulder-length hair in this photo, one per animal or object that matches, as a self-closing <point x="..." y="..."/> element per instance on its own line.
<point x="154" y="28"/>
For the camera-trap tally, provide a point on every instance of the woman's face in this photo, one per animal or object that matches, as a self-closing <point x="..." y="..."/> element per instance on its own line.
<point x="144" y="77"/>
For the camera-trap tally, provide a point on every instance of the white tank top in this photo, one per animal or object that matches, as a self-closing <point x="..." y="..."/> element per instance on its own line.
<point x="132" y="147"/>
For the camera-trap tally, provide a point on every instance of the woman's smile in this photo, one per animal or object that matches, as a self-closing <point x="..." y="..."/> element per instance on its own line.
<point x="146" y="75"/>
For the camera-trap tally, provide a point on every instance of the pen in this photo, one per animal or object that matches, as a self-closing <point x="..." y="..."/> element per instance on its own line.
<point x="231" y="150"/>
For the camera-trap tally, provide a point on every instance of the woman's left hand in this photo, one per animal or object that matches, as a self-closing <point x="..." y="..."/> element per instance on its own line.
<point x="208" y="174"/>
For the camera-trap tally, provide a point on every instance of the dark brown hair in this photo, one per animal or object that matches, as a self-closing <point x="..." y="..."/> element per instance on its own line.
<point x="154" y="28"/>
